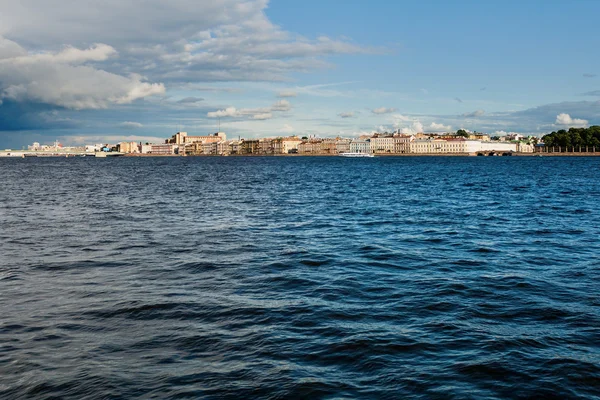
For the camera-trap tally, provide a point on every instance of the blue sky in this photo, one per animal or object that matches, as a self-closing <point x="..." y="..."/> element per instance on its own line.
<point x="82" y="72"/>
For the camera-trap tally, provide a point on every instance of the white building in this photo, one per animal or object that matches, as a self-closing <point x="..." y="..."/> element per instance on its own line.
<point x="360" y="146"/>
<point x="459" y="146"/>
<point x="92" y="148"/>
<point x="475" y="146"/>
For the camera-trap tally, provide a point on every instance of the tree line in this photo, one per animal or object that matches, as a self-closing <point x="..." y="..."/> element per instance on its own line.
<point x="574" y="138"/>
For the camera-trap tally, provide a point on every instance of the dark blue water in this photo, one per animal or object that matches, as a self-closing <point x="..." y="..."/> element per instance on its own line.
<point x="465" y="278"/>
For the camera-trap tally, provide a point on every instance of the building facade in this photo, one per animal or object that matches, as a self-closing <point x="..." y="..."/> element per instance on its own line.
<point x="360" y="146"/>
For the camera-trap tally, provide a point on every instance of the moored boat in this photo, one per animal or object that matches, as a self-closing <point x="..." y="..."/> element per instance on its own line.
<point x="361" y="155"/>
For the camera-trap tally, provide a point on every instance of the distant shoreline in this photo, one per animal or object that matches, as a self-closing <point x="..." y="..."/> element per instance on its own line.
<point x="597" y="154"/>
<point x="142" y="155"/>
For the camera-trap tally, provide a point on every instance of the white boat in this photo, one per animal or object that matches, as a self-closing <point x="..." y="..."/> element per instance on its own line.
<point x="356" y="155"/>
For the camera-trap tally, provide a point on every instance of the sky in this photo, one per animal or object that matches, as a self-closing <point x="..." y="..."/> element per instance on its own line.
<point x="83" y="71"/>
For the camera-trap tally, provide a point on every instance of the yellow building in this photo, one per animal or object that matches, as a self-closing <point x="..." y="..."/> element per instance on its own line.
<point x="286" y="145"/>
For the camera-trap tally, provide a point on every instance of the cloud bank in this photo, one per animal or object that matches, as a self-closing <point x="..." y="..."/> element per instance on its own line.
<point x="383" y="110"/>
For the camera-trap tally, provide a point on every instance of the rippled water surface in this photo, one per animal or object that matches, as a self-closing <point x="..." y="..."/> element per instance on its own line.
<point x="300" y="278"/>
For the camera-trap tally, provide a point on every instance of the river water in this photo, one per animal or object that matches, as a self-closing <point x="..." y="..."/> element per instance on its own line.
<point x="300" y="277"/>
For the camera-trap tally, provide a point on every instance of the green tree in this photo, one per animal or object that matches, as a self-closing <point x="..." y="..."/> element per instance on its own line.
<point x="575" y="137"/>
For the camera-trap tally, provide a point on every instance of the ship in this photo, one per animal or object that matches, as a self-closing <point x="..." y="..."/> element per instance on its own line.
<point x="361" y="155"/>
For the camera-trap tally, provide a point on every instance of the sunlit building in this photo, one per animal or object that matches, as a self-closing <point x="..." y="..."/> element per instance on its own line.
<point x="183" y="138"/>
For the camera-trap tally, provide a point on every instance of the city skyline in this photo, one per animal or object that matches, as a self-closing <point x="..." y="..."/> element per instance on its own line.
<point x="123" y="72"/>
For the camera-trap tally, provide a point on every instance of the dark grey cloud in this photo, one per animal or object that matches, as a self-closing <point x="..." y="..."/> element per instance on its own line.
<point x="589" y="75"/>
<point x="474" y="114"/>
<point x="458" y="100"/>
<point x="15" y="116"/>
<point x="592" y="93"/>
<point x="130" y="125"/>
<point x="190" y="100"/>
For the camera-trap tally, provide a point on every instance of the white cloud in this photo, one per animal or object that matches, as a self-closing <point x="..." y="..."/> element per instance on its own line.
<point x="281" y="105"/>
<point x="130" y="125"/>
<point x="323" y="89"/>
<point x="414" y="128"/>
<point x="10" y="49"/>
<point x="383" y="110"/>
<point x="566" y="120"/>
<point x="69" y="55"/>
<point x="440" y="127"/>
<point x="410" y="125"/>
<point x="287" y="93"/>
<point x="349" y="114"/>
<point x="228" y="112"/>
<point x="286" y="129"/>
<point x="398" y="118"/>
<point x="262" y="116"/>
<point x="188" y="41"/>
<point x="62" y="79"/>
<point x="253" y="113"/>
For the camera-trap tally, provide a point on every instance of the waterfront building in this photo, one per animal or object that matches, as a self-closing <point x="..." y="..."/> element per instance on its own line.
<point x="477" y="146"/>
<point x="360" y="146"/>
<point x="286" y="145"/>
<point x="383" y="144"/>
<point x="402" y="144"/>
<point x="342" y="145"/>
<point x="328" y="146"/>
<point x="209" y="148"/>
<point x="184" y="138"/>
<point x="378" y="143"/>
<point x="250" y="146"/>
<point x="128" y="147"/>
<point x="224" y="147"/>
<point x="459" y="146"/>
<point x="236" y="147"/>
<point x="265" y="146"/>
<point x="479" y="136"/>
<point x="191" y="149"/>
<point x="439" y="146"/>
<point x="525" y="147"/>
<point x="162" y="149"/>
<point x="311" y="146"/>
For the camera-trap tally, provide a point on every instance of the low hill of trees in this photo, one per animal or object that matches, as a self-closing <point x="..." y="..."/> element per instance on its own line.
<point x="574" y="137"/>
